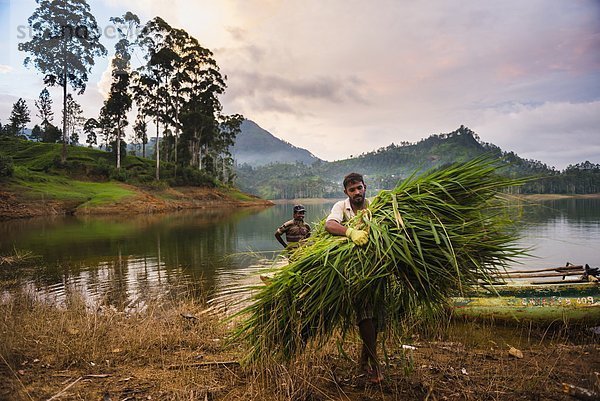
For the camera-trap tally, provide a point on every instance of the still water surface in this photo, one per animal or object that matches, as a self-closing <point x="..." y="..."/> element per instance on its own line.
<point x="123" y="260"/>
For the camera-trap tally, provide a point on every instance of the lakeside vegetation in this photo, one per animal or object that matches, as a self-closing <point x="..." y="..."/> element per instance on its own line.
<point x="27" y="161"/>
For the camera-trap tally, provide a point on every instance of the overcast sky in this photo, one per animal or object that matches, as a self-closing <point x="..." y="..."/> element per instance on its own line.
<point x="342" y="77"/>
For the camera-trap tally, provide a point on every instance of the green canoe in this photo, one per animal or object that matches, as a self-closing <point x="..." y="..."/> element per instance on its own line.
<point x="568" y="301"/>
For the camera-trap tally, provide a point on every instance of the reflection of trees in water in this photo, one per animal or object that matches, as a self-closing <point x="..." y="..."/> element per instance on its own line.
<point x="114" y="290"/>
<point x="540" y="212"/>
<point x="195" y="253"/>
<point x="123" y="261"/>
<point x="81" y="238"/>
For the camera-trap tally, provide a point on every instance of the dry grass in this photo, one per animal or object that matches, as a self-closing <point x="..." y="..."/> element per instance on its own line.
<point x="155" y="346"/>
<point x="17" y="258"/>
<point x="160" y="354"/>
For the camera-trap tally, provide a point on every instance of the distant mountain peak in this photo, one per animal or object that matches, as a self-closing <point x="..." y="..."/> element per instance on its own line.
<point x="256" y="146"/>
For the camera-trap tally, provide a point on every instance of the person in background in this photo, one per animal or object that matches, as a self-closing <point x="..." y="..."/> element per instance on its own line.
<point x="368" y="324"/>
<point x="295" y="230"/>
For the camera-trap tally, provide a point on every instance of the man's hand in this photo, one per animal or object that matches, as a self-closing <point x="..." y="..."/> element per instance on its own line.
<point x="359" y="237"/>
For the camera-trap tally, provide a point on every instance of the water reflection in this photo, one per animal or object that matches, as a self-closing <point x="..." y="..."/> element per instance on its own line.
<point x="123" y="261"/>
<point x="560" y="231"/>
<point x="119" y="260"/>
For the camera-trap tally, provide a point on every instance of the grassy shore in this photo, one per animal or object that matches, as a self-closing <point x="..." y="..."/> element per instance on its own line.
<point x="174" y="350"/>
<point x="88" y="183"/>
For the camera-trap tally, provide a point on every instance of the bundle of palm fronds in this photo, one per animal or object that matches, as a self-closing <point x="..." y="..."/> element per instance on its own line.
<point x="429" y="238"/>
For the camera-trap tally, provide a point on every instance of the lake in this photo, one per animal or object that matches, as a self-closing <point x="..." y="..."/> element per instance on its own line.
<point x="122" y="260"/>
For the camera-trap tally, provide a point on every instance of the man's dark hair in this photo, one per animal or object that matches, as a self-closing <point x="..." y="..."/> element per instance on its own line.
<point x="352" y="178"/>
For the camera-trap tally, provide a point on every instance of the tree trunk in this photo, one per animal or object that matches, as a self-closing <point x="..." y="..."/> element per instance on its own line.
<point x="63" y="154"/>
<point x="223" y="163"/>
<point x="200" y="150"/>
<point x="119" y="144"/>
<point x="200" y="157"/>
<point x="176" y="127"/>
<point x="191" y="147"/>
<point x="157" y="152"/>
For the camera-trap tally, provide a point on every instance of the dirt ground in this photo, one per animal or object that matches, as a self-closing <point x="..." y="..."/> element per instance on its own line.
<point x="179" y="353"/>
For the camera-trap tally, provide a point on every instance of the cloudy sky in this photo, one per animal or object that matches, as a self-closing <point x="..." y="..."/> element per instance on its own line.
<point x="342" y="77"/>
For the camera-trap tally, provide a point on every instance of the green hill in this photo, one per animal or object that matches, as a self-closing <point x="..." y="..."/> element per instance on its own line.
<point x="32" y="158"/>
<point x="385" y="167"/>
<point x="33" y="181"/>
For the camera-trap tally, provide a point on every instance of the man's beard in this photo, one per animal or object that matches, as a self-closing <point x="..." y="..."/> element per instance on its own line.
<point x="358" y="200"/>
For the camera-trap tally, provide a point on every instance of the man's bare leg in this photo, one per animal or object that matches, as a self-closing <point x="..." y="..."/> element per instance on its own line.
<point x="368" y="356"/>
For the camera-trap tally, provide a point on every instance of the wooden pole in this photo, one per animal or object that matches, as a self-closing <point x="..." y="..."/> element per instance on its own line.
<point x="550" y="269"/>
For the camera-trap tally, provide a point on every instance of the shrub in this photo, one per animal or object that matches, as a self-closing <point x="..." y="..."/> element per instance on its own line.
<point x="194" y="177"/>
<point x="74" y="167"/>
<point x="143" y="179"/>
<point x="6" y="166"/>
<point x="119" y="174"/>
<point x="101" y="168"/>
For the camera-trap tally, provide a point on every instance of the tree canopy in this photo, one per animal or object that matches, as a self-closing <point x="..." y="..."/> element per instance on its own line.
<point x="19" y="116"/>
<point x="64" y="44"/>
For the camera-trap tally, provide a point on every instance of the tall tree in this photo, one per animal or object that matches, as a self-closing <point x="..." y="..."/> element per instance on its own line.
<point x="119" y="99"/>
<point x="229" y="129"/>
<point x="105" y="126"/>
<point x="145" y="90"/>
<point x="89" y="128"/>
<point x="19" y="117"/>
<point x="179" y="87"/>
<point x="44" y="106"/>
<point x="151" y="86"/>
<point x="140" y="132"/>
<point x="65" y="40"/>
<point x="201" y="83"/>
<point x="74" y="119"/>
<point x="112" y="116"/>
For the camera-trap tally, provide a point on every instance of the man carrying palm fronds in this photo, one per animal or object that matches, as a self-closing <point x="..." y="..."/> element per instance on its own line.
<point x="343" y="211"/>
<point x="411" y="248"/>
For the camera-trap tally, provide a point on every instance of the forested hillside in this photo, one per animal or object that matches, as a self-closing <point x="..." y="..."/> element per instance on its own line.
<point x="385" y="167"/>
<point x="27" y="163"/>
<point x="257" y="147"/>
<point x="35" y="182"/>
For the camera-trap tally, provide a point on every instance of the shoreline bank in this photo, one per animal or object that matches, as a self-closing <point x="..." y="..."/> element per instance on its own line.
<point x="20" y="205"/>
<point x="16" y="205"/>
<point x="543" y="197"/>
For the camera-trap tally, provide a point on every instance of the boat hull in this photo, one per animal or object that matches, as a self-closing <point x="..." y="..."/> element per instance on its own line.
<point x="570" y="302"/>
